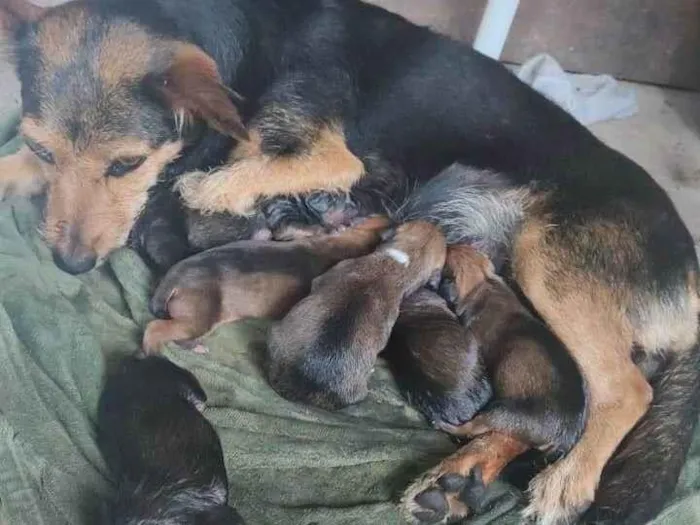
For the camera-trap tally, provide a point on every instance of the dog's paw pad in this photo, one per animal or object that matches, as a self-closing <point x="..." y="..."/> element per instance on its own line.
<point x="452" y="482"/>
<point x="439" y="497"/>
<point x="473" y="492"/>
<point x="432" y="506"/>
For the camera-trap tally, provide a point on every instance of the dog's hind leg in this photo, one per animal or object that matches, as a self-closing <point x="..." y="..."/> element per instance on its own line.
<point x="21" y="174"/>
<point x="588" y="318"/>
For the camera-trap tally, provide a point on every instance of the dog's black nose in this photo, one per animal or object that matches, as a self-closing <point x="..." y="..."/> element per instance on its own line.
<point x="76" y="262"/>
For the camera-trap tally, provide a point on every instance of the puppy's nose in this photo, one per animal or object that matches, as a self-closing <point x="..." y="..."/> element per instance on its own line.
<point x="74" y="261"/>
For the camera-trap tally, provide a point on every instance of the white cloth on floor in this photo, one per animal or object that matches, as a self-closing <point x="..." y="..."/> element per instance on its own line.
<point x="589" y="98"/>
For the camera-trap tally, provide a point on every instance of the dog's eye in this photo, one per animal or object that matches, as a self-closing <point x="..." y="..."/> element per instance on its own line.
<point x="121" y="167"/>
<point x="40" y="151"/>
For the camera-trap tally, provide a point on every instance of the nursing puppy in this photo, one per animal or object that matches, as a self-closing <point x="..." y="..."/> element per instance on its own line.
<point x="165" y="456"/>
<point x="436" y="361"/>
<point x="247" y="279"/>
<point x="538" y="399"/>
<point x="283" y="219"/>
<point x="324" y="350"/>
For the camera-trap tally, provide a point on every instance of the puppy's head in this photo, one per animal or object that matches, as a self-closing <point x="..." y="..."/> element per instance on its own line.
<point x="465" y="269"/>
<point x="153" y="379"/>
<point x="106" y="103"/>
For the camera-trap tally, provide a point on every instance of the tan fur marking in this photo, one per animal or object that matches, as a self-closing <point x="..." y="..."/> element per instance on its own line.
<point x="328" y="166"/>
<point x="21" y="174"/>
<point x="59" y="36"/>
<point x="124" y="54"/>
<point x="492" y="452"/>
<point x="590" y="320"/>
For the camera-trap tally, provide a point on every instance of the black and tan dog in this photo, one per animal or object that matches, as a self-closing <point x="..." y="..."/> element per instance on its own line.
<point x="325" y="348"/>
<point x="165" y="456"/>
<point x="248" y="279"/>
<point x="538" y="397"/>
<point x="122" y="98"/>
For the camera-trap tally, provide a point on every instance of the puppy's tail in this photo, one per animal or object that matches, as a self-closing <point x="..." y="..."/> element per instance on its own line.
<point x="471" y="206"/>
<point x="643" y="472"/>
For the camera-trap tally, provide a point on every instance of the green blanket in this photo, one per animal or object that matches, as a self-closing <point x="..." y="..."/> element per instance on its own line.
<point x="288" y="464"/>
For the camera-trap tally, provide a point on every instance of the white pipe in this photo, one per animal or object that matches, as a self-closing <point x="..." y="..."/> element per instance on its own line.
<point x="495" y="26"/>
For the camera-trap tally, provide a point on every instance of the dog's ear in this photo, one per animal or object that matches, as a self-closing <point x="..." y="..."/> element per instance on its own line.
<point x="192" y="87"/>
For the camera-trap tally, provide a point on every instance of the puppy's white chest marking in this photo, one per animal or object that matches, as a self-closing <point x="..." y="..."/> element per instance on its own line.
<point x="399" y="256"/>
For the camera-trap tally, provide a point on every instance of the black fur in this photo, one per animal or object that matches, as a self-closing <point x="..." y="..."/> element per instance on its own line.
<point x="165" y="456"/>
<point x="436" y="362"/>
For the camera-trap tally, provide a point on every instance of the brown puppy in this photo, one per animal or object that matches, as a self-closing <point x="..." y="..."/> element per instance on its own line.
<point x="539" y="399"/>
<point x="324" y="350"/>
<point x="436" y="361"/>
<point x="247" y="279"/>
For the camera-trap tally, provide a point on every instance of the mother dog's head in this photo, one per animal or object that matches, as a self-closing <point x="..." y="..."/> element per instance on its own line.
<point x="104" y="104"/>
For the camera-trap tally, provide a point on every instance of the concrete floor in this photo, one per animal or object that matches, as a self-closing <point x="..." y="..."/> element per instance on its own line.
<point x="664" y="137"/>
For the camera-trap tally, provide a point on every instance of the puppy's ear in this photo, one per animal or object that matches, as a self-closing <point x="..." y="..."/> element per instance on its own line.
<point x="192" y="87"/>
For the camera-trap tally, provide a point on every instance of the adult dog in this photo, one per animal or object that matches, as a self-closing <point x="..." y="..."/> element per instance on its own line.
<point x="340" y="95"/>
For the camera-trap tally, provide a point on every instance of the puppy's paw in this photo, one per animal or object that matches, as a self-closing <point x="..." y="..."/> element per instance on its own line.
<point x="444" y="497"/>
<point x="290" y="232"/>
<point x="163" y="331"/>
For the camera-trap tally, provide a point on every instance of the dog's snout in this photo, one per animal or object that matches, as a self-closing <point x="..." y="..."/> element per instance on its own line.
<point x="75" y="262"/>
<point x="73" y="257"/>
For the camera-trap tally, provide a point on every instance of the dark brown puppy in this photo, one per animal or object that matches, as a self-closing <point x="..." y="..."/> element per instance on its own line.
<point x="436" y="361"/>
<point x="324" y="350"/>
<point x="165" y="456"/>
<point x="247" y="279"/>
<point x="539" y="399"/>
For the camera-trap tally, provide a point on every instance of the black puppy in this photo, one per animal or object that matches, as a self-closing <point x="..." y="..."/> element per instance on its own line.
<point x="165" y="456"/>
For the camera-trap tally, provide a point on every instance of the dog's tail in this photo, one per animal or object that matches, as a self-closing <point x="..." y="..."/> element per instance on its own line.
<point x="643" y="473"/>
<point x="470" y="206"/>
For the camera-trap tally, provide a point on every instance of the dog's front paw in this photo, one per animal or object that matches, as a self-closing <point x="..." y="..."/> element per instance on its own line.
<point x="215" y="192"/>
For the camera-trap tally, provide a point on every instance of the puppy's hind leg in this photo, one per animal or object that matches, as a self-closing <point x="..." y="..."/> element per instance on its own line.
<point x="192" y="315"/>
